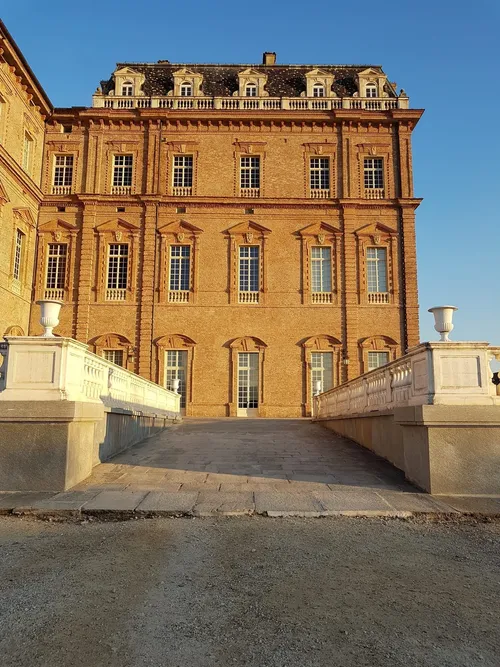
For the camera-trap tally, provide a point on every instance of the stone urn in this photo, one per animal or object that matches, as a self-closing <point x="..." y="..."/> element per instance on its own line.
<point x="175" y="385"/>
<point x="49" y="315"/>
<point x="443" y="320"/>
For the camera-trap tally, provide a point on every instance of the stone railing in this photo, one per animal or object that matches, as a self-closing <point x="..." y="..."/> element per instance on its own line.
<point x="251" y="103"/>
<point x="430" y="374"/>
<point x="61" y="189"/>
<point x="248" y="297"/>
<point x="55" y="369"/>
<point x="178" y="296"/>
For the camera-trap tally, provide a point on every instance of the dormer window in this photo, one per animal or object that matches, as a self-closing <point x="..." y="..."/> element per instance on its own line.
<point x="128" y="89"/>
<point x="371" y="90"/>
<point x="318" y="90"/>
<point x="251" y="90"/>
<point x="186" y="89"/>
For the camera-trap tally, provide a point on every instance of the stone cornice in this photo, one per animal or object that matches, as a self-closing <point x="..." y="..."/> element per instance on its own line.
<point x="11" y="166"/>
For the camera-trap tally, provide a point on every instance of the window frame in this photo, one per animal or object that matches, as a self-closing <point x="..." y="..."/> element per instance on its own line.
<point x="250" y="168"/>
<point x="183" y="173"/>
<point x="28" y="151"/>
<point x="58" y="289"/>
<point x="377" y="352"/>
<point x="319" y="88"/>
<point x="184" y="87"/>
<point x="19" y="251"/>
<point x="317" y="173"/>
<point x="370" y="88"/>
<point x="122" y="172"/>
<point x="64" y="170"/>
<point x="121" y="277"/>
<point x="250" y="85"/>
<point x="114" y="351"/>
<point x="253" y="273"/>
<point x="181" y="273"/>
<point x="321" y="261"/>
<point x="127" y="89"/>
<point x="377" y="262"/>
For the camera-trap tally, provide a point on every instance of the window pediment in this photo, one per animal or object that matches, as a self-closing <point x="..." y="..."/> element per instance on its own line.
<point x="247" y="344"/>
<point x="377" y="231"/>
<point x="378" y="343"/>
<point x="250" y="147"/>
<point x="174" y="342"/>
<point x="181" y="230"/>
<point x="118" y="228"/>
<point x="249" y="230"/>
<point x="322" y="230"/>
<point x="58" y="228"/>
<point x="24" y="215"/>
<point x="111" y="340"/>
<point x="321" y="342"/>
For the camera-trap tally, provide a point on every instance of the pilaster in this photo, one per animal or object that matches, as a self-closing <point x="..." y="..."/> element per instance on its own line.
<point x="411" y="335"/>
<point x="84" y="281"/>
<point x="350" y="299"/>
<point x="146" y="292"/>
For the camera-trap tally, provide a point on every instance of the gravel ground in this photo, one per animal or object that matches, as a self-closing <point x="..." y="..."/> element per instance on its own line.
<point x="249" y="591"/>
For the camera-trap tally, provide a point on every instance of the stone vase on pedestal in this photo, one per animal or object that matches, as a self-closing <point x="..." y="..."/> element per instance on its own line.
<point x="49" y="315"/>
<point x="443" y="320"/>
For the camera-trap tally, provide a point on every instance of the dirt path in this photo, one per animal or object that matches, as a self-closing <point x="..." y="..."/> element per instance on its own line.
<point x="249" y="591"/>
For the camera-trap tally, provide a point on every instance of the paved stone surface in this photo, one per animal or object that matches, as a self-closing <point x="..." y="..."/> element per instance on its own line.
<point x="116" y="500"/>
<point x="234" y="466"/>
<point x="250" y="592"/>
<point x="168" y="502"/>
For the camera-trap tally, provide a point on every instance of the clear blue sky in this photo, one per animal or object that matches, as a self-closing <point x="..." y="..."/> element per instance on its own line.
<point x="444" y="53"/>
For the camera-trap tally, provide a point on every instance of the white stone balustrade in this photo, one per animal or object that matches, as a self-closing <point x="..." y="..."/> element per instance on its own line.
<point x="454" y="373"/>
<point x="62" y="369"/>
<point x="251" y="103"/>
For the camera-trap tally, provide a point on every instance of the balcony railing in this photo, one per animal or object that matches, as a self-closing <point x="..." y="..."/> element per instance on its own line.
<point x="61" y="189"/>
<point x="178" y="296"/>
<point x="121" y="189"/>
<point x="182" y="191"/>
<point x="250" y="192"/>
<point x="116" y="294"/>
<point x="252" y="103"/>
<point x="374" y="193"/>
<point x="249" y="297"/>
<point x="378" y="297"/>
<point x="321" y="297"/>
<point x="318" y="193"/>
<point x="54" y="293"/>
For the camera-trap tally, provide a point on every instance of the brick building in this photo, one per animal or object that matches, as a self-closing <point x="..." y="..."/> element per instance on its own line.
<point x="246" y="229"/>
<point x="23" y="109"/>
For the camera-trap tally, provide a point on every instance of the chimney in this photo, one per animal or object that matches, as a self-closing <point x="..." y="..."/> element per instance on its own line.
<point x="269" y="58"/>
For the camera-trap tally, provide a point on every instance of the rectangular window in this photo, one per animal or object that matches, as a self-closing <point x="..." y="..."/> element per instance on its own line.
<point x="321" y="269"/>
<point x="374" y="173"/>
<point x="115" y="356"/>
<point x="18" y="254"/>
<point x="122" y="171"/>
<point x="249" y="280"/>
<point x="183" y="172"/>
<point x="320" y="177"/>
<point x="55" y="279"/>
<point x="175" y="369"/>
<point x="377" y="359"/>
<point x="321" y="371"/>
<point x="250" y="175"/>
<point x="117" y="276"/>
<point x="27" y="151"/>
<point x="63" y="173"/>
<point x="376" y="270"/>
<point x="180" y="272"/>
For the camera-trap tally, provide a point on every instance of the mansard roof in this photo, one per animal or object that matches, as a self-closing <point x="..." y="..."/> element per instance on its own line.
<point x="222" y="80"/>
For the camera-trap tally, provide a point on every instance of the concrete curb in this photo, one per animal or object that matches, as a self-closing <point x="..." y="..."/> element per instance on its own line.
<point x="125" y="505"/>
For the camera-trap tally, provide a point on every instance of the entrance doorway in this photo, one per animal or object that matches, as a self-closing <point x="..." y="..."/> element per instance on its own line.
<point x="175" y="368"/>
<point x="248" y="384"/>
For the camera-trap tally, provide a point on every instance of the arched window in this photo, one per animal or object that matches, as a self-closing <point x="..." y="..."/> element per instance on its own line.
<point x="371" y="90"/>
<point x="127" y="89"/>
<point x="186" y="89"/>
<point x="251" y="90"/>
<point x="318" y="90"/>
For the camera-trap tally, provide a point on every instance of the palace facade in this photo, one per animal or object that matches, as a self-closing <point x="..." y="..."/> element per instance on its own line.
<point x="24" y="106"/>
<point x="246" y="229"/>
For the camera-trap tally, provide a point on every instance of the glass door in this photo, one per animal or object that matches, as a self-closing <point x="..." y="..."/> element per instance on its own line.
<point x="175" y="368"/>
<point x="248" y="384"/>
<point x="321" y="371"/>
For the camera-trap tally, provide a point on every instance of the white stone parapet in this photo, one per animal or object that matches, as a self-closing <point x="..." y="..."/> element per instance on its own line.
<point x="62" y="369"/>
<point x="250" y="103"/>
<point x="453" y="373"/>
